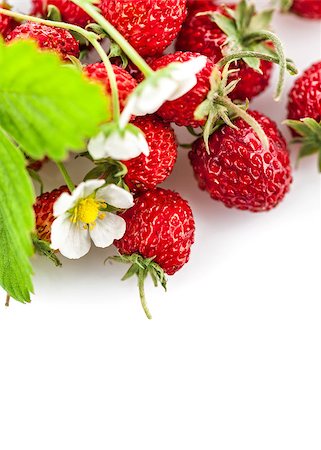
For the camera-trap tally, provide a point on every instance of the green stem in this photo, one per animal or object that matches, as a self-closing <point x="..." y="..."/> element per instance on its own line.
<point x="114" y="34"/>
<point x="91" y="37"/>
<point x="49" y="23"/>
<point x="224" y="101"/>
<point x="265" y="35"/>
<point x="141" y="281"/>
<point x="111" y="76"/>
<point x="249" y="54"/>
<point x="66" y="176"/>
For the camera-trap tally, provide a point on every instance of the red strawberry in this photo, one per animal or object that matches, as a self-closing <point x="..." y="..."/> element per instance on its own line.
<point x="159" y="235"/>
<point x="310" y="9"/>
<point x="146" y="172"/>
<point x="181" y="111"/>
<point x="305" y="96"/>
<point x="201" y="34"/>
<point x="69" y="12"/>
<point x="193" y="5"/>
<point x="238" y="171"/>
<point x="44" y="212"/>
<point x="7" y="24"/>
<point x="149" y="26"/>
<point x="48" y="38"/>
<point x="125" y="82"/>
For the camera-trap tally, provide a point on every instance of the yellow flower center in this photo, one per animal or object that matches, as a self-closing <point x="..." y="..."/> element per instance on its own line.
<point x="88" y="211"/>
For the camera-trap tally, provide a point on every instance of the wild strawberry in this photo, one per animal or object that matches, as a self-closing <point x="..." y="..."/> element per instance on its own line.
<point x="125" y="82"/>
<point x="181" y="111"/>
<point x="224" y="32"/>
<point x="305" y="96"/>
<point x="69" y="12"/>
<point x="311" y="9"/>
<point x="193" y="5"/>
<point x="7" y="24"/>
<point x="149" y="26"/>
<point x="48" y="38"/>
<point x="44" y="212"/>
<point x="146" y="172"/>
<point x="238" y="171"/>
<point x="159" y="235"/>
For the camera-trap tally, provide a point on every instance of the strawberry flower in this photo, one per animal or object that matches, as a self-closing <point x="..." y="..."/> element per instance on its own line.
<point x="167" y="84"/>
<point x="83" y="216"/>
<point x="118" y="143"/>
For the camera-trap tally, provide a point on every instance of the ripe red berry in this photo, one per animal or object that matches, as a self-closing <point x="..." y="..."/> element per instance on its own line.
<point x="193" y="5"/>
<point x="125" y="82"/>
<point x="200" y="34"/>
<point x="44" y="212"/>
<point x="238" y="171"/>
<point x="310" y="9"/>
<point x="146" y="172"/>
<point x="7" y="24"/>
<point x="181" y="111"/>
<point x="47" y="38"/>
<point x="69" y="12"/>
<point x="305" y="96"/>
<point x="149" y="26"/>
<point x="161" y="226"/>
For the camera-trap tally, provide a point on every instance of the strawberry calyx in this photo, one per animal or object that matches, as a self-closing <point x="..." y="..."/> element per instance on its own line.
<point x="142" y="267"/>
<point x="43" y="248"/>
<point x="309" y="131"/>
<point x="247" y="30"/>
<point x="220" y="110"/>
<point x="286" y="5"/>
<point x="108" y="169"/>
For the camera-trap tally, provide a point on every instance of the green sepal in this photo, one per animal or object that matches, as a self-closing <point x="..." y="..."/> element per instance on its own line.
<point x="53" y="13"/>
<point x="43" y="248"/>
<point x="285" y="5"/>
<point x="116" y="52"/>
<point x="142" y="267"/>
<point x="309" y="131"/>
<point x="242" y="22"/>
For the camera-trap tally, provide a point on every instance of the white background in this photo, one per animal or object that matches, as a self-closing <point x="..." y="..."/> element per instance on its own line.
<point x="231" y="359"/>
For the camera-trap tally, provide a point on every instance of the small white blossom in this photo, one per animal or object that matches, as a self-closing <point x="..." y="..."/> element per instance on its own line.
<point x="119" y="144"/>
<point x="167" y="84"/>
<point x="82" y="217"/>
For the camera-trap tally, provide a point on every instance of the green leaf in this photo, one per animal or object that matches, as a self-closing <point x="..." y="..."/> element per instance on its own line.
<point x="45" y="105"/>
<point x="225" y="24"/>
<point x="261" y="21"/>
<point x="254" y="63"/>
<point x="16" y="222"/>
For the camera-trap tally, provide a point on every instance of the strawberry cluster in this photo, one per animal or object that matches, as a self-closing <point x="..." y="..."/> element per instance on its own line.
<point x="224" y="56"/>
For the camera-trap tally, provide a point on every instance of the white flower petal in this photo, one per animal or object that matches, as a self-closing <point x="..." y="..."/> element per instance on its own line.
<point x="107" y="230"/>
<point x="96" y="146"/>
<point x="120" y="146"/>
<point x="183" y="87"/>
<point x="72" y="240"/>
<point x="153" y="96"/>
<point x="116" y="196"/>
<point x="86" y="188"/>
<point x="63" y="203"/>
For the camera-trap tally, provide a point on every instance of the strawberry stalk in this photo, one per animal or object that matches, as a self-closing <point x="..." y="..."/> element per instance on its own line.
<point x="66" y="176"/>
<point x="266" y="35"/>
<point x="290" y="66"/>
<point x="142" y="267"/>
